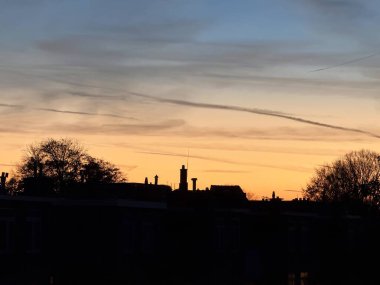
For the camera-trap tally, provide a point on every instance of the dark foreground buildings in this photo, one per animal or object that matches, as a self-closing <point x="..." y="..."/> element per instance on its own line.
<point x="145" y="233"/>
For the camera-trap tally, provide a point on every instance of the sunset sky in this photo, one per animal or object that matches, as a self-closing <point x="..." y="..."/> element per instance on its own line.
<point x="256" y="93"/>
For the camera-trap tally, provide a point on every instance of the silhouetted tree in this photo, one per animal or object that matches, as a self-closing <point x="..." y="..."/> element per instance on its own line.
<point x="352" y="178"/>
<point x="98" y="170"/>
<point x="64" y="161"/>
<point x="13" y="184"/>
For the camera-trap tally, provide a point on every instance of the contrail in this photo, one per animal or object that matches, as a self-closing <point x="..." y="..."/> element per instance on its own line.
<point x="288" y="168"/>
<point x="210" y="106"/>
<point x="254" y="111"/>
<point x="191" y="156"/>
<point x="82" y="113"/>
<point x="106" y="97"/>
<point x="235" y="108"/>
<point x="346" y="62"/>
<point x="250" y="110"/>
<point x="68" y="112"/>
<point x="225" y="171"/>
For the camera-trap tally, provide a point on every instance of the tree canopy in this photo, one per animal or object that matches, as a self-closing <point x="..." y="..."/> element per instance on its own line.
<point x="352" y="178"/>
<point x="64" y="161"/>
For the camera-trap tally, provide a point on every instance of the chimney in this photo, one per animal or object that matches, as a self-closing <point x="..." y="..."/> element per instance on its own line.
<point x="194" y="183"/>
<point x="4" y="176"/>
<point x="156" y="180"/>
<point x="183" y="179"/>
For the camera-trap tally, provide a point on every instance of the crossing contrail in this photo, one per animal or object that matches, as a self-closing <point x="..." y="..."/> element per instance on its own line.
<point x="346" y="62"/>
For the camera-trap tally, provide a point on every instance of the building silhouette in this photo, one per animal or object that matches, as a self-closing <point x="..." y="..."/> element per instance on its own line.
<point x="145" y="233"/>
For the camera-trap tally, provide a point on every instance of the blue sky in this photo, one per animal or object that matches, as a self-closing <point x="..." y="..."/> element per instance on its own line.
<point x="76" y="68"/>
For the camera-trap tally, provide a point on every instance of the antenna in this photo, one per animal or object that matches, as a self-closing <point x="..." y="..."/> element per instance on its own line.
<point x="187" y="162"/>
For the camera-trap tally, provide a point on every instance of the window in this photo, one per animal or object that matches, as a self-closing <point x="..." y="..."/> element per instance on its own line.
<point x="292" y="238"/>
<point x="128" y="237"/>
<point x="227" y="235"/>
<point x="33" y="235"/>
<point x="304" y="278"/>
<point x="148" y="237"/>
<point x="220" y="235"/>
<point x="291" y="279"/>
<point x="7" y="226"/>
<point x="235" y="236"/>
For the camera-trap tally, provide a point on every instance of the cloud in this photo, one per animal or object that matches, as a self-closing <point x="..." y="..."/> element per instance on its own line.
<point x="143" y="128"/>
<point x="114" y="44"/>
<point x="169" y="31"/>
<point x="7" y="164"/>
<point x="256" y="111"/>
<point x="298" y="82"/>
<point x="341" y="8"/>
<point x="209" y="158"/>
<point x="225" y="171"/>
<point x="354" y="21"/>
<point x="268" y="134"/>
<point x="18" y="128"/>
<point x="97" y="96"/>
<point x="11" y="105"/>
<point x="120" y="129"/>
<point x="191" y="156"/>
<point x="238" y="146"/>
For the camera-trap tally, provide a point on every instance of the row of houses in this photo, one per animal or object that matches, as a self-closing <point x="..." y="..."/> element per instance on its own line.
<point x="132" y="233"/>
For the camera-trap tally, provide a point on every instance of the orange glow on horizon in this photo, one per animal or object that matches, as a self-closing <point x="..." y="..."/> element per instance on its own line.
<point x="258" y="166"/>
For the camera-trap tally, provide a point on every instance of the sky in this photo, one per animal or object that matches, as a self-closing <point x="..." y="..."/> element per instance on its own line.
<point x="258" y="93"/>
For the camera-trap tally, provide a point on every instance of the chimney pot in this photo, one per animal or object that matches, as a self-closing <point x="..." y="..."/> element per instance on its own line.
<point x="194" y="183"/>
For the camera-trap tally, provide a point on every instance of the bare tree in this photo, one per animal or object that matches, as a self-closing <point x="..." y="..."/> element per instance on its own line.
<point x="352" y="178"/>
<point x="98" y="170"/>
<point x="65" y="161"/>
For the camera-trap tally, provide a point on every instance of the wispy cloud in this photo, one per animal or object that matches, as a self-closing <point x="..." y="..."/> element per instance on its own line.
<point x="191" y="156"/>
<point x="235" y="146"/>
<point x="225" y="171"/>
<point x="97" y="96"/>
<point x="257" y="111"/>
<point x="147" y="129"/>
<point x="340" y="8"/>
<point x="144" y="128"/>
<point x="11" y="105"/>
<point x="330" y="84"/>
<point x="354" y="21"/>
<point x="281" y="167"/>
<point x="7" y="164"/>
